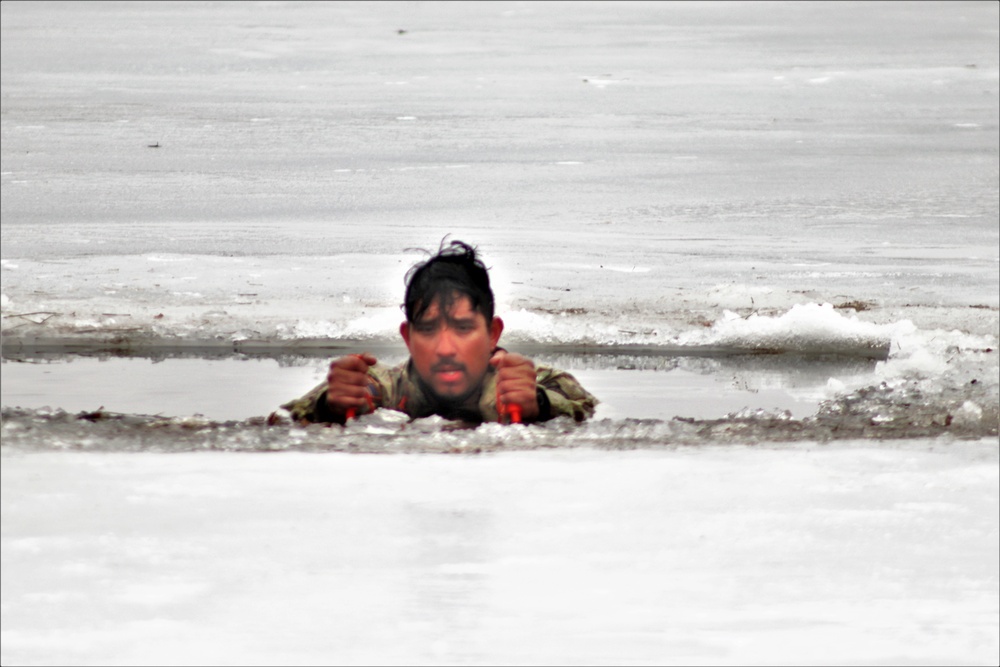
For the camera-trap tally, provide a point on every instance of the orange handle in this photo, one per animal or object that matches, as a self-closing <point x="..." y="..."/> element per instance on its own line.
<point x="515" y="413"/>
<point x="353" y="412"/>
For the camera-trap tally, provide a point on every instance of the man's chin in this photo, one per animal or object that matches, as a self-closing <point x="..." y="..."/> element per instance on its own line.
<point x="450" y="393"/>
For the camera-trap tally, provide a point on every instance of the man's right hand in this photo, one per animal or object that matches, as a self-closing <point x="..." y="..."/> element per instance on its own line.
<point x="347" y="384"/>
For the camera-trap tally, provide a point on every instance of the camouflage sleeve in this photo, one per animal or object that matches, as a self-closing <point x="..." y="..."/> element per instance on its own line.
<point x="566" y="397"/>
<point x="311" y="407"/>
<point x="307" y="408"/>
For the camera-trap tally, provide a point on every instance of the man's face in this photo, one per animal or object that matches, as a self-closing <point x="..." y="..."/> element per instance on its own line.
<point x="451" y="351"/>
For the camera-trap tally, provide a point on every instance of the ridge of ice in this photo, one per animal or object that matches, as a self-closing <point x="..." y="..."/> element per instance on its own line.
<point x="804" y="324"/>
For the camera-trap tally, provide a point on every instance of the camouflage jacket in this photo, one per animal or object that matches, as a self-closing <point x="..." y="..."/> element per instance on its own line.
<point x="399" y="388"/>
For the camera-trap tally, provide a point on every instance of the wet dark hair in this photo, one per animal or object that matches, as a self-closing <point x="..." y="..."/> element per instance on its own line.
<point x="455" y="270"/>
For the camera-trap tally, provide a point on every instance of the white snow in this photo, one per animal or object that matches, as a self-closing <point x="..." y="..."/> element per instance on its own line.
<point x="863" y="553"/>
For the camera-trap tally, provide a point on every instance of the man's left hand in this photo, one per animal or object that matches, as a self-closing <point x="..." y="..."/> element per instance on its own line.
<point x="516" y="383"/>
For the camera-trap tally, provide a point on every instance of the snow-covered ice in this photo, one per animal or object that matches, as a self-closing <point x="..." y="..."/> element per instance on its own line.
<point x="864" y="554"/>
<point x="798" y="201"/>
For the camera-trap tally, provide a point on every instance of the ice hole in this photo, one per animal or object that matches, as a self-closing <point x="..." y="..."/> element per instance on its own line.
<point x="221" y="386"/>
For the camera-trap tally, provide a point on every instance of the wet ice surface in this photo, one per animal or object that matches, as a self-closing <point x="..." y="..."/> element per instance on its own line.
<point x="698" y="179"/>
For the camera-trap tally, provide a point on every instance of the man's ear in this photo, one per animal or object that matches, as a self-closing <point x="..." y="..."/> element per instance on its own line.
<point x="496" y="328"/>
<point x="404" y="331"/>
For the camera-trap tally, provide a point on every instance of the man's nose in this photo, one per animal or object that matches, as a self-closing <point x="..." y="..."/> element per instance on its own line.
<point x="446" y="344"/>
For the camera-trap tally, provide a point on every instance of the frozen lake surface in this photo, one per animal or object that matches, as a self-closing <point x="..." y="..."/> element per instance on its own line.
<point x="693" y="206"/>
<point x="863" y="553"/>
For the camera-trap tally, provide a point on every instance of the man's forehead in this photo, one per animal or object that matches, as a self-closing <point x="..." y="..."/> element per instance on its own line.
<point x="459" y="308"/>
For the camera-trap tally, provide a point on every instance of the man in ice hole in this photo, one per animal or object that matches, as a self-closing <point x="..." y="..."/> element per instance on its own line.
<point x="455" y="369"/>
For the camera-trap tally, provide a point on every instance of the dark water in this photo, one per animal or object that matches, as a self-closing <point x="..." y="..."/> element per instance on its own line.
<point x="646" y="386"/>
<point x="178" y="403"/>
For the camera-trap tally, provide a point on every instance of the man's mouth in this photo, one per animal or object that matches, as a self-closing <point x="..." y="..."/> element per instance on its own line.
<point x="448" y="373"/>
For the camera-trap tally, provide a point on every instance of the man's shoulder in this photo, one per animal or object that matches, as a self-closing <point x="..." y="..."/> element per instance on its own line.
<point x="550" y="377"/>
<point x="547" y="372"/>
